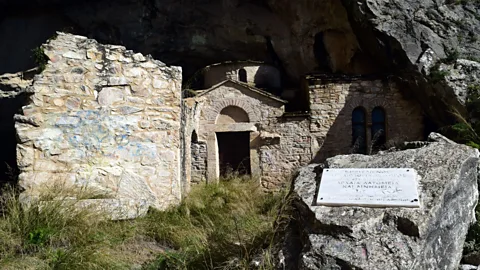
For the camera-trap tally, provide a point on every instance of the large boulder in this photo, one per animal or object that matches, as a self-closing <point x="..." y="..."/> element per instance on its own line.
<point x="429" y="237"/>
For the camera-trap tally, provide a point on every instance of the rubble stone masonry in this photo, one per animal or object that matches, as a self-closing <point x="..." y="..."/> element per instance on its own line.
<point x="103" y="118"/>
<point x="333" y="101"/>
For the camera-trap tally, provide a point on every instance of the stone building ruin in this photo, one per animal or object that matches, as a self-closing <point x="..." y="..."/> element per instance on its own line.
<point x="106" y="118"/>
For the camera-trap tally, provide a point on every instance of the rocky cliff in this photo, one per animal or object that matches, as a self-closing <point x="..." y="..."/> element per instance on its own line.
<point x="353" y="37"/>
<point x="432" y="48"/>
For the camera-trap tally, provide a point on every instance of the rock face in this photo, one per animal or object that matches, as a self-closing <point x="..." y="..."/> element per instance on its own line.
<point x="463" y="77"/>
<point x="430" y="237"/>
<point x="404" y="34"/>
<point x="170" y="30"/>
<point x="407" y="29"/>
<point x="104" y="119"/>
<point x="347" y="36"/>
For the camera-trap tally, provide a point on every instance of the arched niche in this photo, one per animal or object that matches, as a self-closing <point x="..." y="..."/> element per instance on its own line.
<point x="231" y="115"/>
<point x="194" y="137"/>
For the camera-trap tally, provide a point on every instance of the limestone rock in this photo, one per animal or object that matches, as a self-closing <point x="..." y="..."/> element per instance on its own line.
<point x="468" y="267"/>
<point x="430" y="237"/>
<point x="110" y="96"/>
<point x="462" y="76"/>
<point x="414" y="35"/>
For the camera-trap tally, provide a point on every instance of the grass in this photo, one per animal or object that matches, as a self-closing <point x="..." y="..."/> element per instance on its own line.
<point x="466" y="130"/>
<point x="219" y="226"/>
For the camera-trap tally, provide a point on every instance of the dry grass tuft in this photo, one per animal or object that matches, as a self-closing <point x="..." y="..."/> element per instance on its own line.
<point x="219" y="226"/>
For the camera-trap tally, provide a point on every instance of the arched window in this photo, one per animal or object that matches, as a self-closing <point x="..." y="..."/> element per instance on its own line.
<point x="359" y="130"/>
<point x="378" y="128"/>
<point x="242" y="75"/>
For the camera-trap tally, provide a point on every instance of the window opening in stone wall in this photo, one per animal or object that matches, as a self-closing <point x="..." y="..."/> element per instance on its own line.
<point x="234" y="153"/>
<point x="378" y="128"/>
<point x="359" y="130"/>
<point x="242" y="75"/>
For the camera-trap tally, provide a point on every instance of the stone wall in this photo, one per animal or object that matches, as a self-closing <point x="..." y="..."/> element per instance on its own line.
<point x="286" y="147"/>
<point x="333" y="100"/>
<point x="191" y="110"/>
<point x="260" y="109"/>
<point x="199" y="162"/>
<point x="280" y="143"/>
<point x="104" y="118"/>
<point x="259" y="74"/>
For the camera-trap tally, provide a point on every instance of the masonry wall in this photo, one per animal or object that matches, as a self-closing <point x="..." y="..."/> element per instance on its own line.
<point x="332" y="104"/>
<point x="199" y="162"/>
<point x="257" y="74"/>
<point x="104" y="118"/>
<point x="279" y="145"/>
<point x="193" y="171"/>
<point x="260" y="110"/>
<point x="280" y="158"/>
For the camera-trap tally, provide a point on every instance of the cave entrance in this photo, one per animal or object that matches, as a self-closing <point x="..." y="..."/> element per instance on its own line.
<point x="234" y="153"/>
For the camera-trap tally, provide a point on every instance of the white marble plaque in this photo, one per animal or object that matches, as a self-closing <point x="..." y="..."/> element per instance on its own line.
<point x="369" y="187"/>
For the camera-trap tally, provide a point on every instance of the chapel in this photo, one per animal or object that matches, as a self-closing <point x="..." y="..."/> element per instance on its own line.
<point x="239" y="123"/>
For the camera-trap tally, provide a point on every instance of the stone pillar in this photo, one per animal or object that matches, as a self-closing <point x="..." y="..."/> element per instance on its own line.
<point x="213" y="169"/>
<point x="254" y="157"/>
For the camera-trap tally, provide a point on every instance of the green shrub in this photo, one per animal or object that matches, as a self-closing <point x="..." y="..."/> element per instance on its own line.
<point x="436" y="75"/>
<point x="39" y="57"/>
<point x="467" y="129"/>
